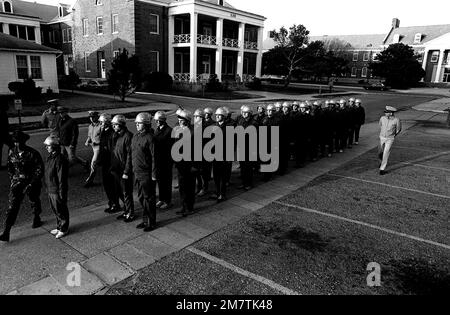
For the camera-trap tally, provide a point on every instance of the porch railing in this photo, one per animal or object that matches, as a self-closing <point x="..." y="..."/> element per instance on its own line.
<point x="248" y="77"/>
<point x="230" y="42"/>
<point x="182" y="77"/>
<point x="251" y="45"/>
<point x="182" y="39"/>
<point x="206" y="40"/>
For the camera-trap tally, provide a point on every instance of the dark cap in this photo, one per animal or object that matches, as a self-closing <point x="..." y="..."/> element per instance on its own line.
<point x="19" y="137"/>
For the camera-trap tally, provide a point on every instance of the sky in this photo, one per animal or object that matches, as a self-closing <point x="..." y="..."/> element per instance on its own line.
<point x="342" y="17"/>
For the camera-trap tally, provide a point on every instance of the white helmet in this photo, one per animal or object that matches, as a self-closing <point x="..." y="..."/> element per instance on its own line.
<point x="106" y="118"/>
<point x="208" y="110"/>
<point x="270" y="107"/>
<point x="221" y="111"/>
<point x="199" y="112"/>
<point x="51" y="141"/>
<point x="246" y="109"/>
<point x="160" y="115"/>
<point x="186" y="115"/>
<point x="277" y="105"/>
<point x="119" y="120"/>
<point x="342" y="101"/>
<point x="357" y="101"/>
<point x="144" y="118"/>
<point x="286" y="104"/>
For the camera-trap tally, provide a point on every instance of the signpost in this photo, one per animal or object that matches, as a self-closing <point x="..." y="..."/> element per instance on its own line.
<point x="18" y="107"/>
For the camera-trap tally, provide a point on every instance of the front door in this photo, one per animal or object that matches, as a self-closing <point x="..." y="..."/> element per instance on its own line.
<point x="103" y="68"/>
<point x="206" y="64"/>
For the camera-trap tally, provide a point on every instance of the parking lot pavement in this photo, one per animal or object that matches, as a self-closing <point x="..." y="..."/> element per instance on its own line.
<point x="321" y="238"/>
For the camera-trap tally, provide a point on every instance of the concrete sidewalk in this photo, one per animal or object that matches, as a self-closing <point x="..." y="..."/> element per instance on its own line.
<point x="109" y="251"/>
<point x="435" y="106"/>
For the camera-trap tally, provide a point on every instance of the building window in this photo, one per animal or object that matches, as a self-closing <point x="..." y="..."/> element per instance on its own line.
<point x="69" y="35"/>
<point x="86" y="62"/>
<point x="154" y="61"/>
<point x="154" y="24"/>
<point x="99" y="25"/>
<point x="7" y="7"/>
<point x="353" y="71"/>
<point x="64" y="35"/>
<point x="36" y="71"/>
<point x="61" y="12"/>
<point x="364" y="72"/>
<point x="98" y="2"/>
<point x="418" y="38"/>
<point x="22" y="67"/>
<point x="85" y="27"/>
<point x="115" y="23"/>
<point x="366" y="56"/>
<point x="355" y="56"/>
<point x="22" y="31"/>
<point x="435" y="56"/>
<point x="30" y="33"/>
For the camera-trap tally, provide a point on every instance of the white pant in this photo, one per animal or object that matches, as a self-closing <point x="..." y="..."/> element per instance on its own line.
<point x="384" y="151"/>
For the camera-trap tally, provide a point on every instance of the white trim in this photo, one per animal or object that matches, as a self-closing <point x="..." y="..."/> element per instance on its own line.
<point x="366" y="53"/>
<point x="97" y="28"/>
<point x="355" y="53"/>
<point x="362" y="72"/>
<point x="86" y="62"/>
<point x="356" y="72"/>
<point x="85" y="27"/>
<point x="10" y="4"/>
<point x="157" y="24"/>
<point x="112" y="23"/>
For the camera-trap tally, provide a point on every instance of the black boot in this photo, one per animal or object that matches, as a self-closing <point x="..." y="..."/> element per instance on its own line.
<point x="36" y="222"/>
<point x="5" y="236"/>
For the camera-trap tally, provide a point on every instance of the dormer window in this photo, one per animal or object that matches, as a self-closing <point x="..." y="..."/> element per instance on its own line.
<point x="98" y="2"/>
<point x="7" y="7"/>
<point x="220" y="2"/>
<point x="418" y="38"/>
<point x="396" y="38"/>
<point x="61" y="12"/>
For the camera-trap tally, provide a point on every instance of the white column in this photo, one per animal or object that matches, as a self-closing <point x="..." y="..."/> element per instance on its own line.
<point x="5" y="28"/>
<point x="439" y="67"/>
<point x="193" y="47"/>
<point x="219" y="50"/>
<point x="240" y="60"/>
<point x="171" y="52"/>
<point x="259" y="56"/>
<point x="424" y="62"/>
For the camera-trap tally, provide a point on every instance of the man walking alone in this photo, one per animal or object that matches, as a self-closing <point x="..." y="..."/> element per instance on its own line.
<point x="390" y="127"/>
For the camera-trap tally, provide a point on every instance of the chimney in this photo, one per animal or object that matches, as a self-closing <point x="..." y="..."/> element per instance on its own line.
<point x="395" y="23"/>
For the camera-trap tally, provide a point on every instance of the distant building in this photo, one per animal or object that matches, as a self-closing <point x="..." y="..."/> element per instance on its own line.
<point x="188" y="39"/>
<point x="22" y="54"/>
<point x="431" y="42"/>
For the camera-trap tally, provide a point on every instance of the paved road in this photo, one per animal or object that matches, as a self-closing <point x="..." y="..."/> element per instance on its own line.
<point x="81" y="197"/>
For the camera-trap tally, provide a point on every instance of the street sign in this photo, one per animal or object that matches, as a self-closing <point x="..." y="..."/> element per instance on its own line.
<point x="18" y="104"/>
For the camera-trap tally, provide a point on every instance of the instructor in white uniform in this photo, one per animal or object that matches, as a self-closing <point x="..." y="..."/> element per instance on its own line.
<point x="390" y="127"/>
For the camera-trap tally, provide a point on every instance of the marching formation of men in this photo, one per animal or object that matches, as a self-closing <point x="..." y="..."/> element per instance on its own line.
<point x="144" y="161"/>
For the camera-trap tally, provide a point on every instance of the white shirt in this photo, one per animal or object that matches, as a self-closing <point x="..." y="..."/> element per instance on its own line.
<point x="390" y="127"/>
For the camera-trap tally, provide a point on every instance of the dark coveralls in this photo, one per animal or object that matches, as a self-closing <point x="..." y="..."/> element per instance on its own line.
<point x="206" y="167"/>
<point x="285" y="123"/>
<point x="269" y="122"/>
<point x="4" y="131"/>
<point x="106" y="147"/>
<point x="300" y="129"/>
<point x="56" y="180"/>
<point x="143" y="161"/>
<point x="186" y="179"/>
<point x="121" y="165"/>
<point x="360" y="119"/>
<point x="25" y="170"/>
<point x="222" y="169"/>
<point x="247" y="166"/>
<point x="164" y="163"/>
<point x="68" y="137"/>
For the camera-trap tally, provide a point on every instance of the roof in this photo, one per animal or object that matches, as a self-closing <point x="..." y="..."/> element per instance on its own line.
<point x="11" y="43"/>
<point x="44" y="11"/>
<point x="429" y="32"/>
<point x="356" y="41"/>
<point x="226" y="4"/>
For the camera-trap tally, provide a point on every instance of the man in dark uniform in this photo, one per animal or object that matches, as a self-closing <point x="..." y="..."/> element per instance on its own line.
<point x="68" y="137"/>
<point x="56" y="180"/>
<point x="229" y="121"/>
<point x="143" y="161"/>
<point x="246" y="120"/>
<point x="106" y="147"/>
<point x="206" y="167"/>
<point x="26" y="169"/>
<point x="185" y="168"/>
<point x="121" y="166"/>
<point x="360" y="119"/>
<point x="163" y="160"/>
<point x="4" y="131"/>
<point x="221" y="169"/>
<point x="269" y="121"/>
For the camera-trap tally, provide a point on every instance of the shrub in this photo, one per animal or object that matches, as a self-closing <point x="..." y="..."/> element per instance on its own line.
<point x="214" y="84"/>
<point x="157" y="82"/>
<point x="15" y="87"/>
<point x="26" y="90"/>
<point x="254" y="84"/>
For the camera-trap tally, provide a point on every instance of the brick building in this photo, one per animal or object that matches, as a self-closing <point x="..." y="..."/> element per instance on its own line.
<point x="188" y="39"/>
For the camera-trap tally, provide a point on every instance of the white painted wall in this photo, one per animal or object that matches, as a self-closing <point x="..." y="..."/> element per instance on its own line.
<point x="9" y="71"/>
